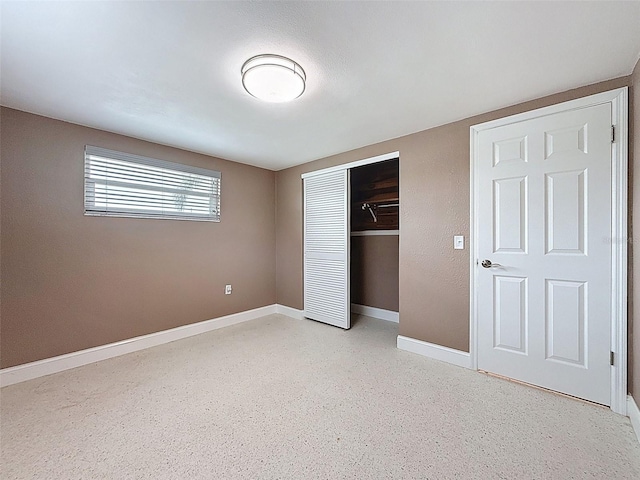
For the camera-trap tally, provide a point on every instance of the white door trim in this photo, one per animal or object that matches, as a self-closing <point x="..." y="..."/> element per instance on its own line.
<point x="619" y="211"/>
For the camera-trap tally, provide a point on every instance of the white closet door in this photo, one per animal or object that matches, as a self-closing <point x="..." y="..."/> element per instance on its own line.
<point x="326" y="248"/>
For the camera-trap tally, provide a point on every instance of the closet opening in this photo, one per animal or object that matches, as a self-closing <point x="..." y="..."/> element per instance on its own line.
<point x="375" y="229"/>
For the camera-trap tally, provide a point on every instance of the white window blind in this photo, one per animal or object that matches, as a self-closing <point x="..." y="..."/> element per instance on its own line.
<point x="125" y="185"/>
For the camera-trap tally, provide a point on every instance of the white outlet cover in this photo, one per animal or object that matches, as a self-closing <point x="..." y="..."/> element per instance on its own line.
<point x="227" y="289"/>
<point x="458" y="242"/>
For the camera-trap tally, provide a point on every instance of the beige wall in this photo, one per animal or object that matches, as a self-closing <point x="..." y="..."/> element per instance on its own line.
<point x="634" y="281"/>
<point x="434" y="206"/>
<point x="71" y="282"/>
<point x="374" y="271"/>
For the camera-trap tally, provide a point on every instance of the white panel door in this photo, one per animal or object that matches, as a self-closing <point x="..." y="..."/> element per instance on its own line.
<point x="326" y="248"/>
<point x="544" y="223"/>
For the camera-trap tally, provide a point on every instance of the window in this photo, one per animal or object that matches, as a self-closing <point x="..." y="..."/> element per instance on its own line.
<point x="123" y="185"/>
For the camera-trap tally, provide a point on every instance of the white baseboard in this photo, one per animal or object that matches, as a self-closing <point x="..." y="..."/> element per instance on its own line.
<point x="437" y="352"/>
<point x="28" y="371"/>
<point x="374" y="312"/>
<point x="634" y="414"/>
<point x="289" y="312"/>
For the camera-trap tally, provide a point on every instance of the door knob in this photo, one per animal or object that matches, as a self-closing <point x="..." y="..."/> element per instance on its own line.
<point x="487" y="264"/>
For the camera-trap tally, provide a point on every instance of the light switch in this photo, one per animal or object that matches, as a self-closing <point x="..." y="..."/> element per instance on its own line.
<point x="458" y="242"/>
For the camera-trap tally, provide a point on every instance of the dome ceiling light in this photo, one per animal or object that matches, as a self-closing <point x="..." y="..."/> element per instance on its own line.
<point x="273" y="78"/>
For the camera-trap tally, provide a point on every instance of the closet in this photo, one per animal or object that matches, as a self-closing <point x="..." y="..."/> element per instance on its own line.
<point x="351" y="240"/>
<point x="375" y="207"/>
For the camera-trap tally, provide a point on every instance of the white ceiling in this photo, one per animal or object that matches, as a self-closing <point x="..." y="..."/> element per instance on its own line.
<point x="169" y="72"/>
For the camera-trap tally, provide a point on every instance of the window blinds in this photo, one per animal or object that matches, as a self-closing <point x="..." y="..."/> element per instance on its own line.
<point x="125" y="185"/>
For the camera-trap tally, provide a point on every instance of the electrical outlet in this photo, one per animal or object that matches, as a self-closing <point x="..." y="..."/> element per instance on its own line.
<point x="227" y="289"/>
<point x="458" y="242"/>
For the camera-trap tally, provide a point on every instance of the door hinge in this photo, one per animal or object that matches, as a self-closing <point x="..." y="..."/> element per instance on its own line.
<point x="612" y="358"/>
<point x="613" y="133"/>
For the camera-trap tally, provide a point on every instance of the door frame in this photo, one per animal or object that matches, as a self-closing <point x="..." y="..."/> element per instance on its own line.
<point x="618" y="99"/>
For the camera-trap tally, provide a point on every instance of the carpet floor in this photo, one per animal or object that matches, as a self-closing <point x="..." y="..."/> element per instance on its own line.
<point x="282" y="398"/>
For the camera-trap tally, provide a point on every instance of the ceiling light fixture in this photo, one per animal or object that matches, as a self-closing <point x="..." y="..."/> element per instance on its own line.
<point x="273" y="78"/>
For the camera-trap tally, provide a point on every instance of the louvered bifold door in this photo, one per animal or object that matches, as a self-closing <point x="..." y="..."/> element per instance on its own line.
<point x="326" y="248"/>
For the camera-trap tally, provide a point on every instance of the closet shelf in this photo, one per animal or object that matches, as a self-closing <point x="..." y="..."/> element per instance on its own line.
<point x="377" y="199"/>
<point x="375" y="233"/>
